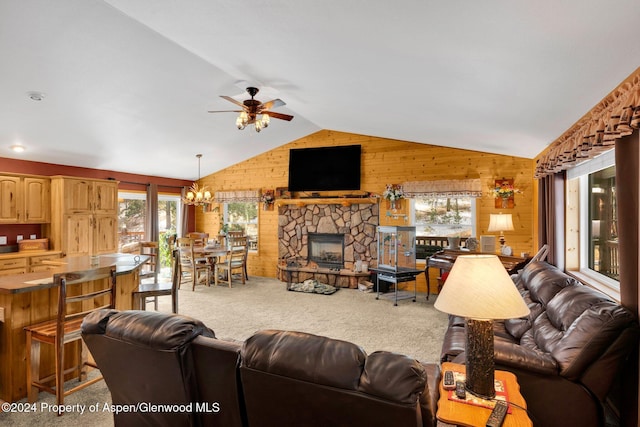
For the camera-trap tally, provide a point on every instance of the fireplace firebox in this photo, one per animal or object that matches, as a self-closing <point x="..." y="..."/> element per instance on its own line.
<point x="326" y="249"/>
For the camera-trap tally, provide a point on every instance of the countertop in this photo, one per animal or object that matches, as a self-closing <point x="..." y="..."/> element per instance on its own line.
<point x="17" y="283"/>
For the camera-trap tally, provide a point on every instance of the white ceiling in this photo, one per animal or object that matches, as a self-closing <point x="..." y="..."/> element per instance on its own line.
<point x="128" y="83"/>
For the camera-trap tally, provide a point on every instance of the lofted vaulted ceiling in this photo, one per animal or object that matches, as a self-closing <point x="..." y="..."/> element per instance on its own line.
<point x="127" y="83"/>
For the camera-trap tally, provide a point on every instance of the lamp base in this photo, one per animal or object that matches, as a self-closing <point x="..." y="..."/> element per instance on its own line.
<point x="480" y="364"/>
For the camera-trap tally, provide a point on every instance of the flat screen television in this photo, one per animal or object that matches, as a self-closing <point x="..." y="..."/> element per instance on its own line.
<point x="325" y="168"/>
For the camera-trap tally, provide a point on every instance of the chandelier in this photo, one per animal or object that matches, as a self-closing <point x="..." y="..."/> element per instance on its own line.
<point x="260" y="121"/>
<point x="196" y="195"/>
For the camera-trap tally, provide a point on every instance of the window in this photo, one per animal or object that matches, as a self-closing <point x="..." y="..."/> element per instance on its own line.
<point x="243" y="216"/>
<point x="442" y="217"/>
<point x="592" y="188"/>
<point x="133" y="217"/>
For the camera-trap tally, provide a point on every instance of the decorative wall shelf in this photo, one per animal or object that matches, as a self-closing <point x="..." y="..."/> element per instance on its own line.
<point x="344" y="201"/>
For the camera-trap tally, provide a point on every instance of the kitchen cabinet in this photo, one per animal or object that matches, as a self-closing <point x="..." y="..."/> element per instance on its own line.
<point x="84" y="216"/>
<point x="24" y="199"/>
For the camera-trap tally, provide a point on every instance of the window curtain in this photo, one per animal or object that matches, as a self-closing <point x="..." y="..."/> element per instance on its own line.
<point x="615" y="117"/>
<point x="445" y="188"/>
<point x="237" y="196"/>
<point x="152" y="230"/>
<point x="183" y="227"/>
<point x="627" y="188"/>
<point x="551" y="203"/>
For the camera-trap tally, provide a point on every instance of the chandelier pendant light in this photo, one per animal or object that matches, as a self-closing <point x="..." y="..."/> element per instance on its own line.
<point x="196" y="195"/>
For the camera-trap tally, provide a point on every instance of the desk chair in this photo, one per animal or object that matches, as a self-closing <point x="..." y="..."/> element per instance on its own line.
<point x="154" y="290"/>
<point x="79" y="293"/>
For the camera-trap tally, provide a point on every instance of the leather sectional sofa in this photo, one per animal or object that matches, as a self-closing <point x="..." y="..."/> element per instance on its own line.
<point x="568" y="354"/>
<point x="274" y="378"/>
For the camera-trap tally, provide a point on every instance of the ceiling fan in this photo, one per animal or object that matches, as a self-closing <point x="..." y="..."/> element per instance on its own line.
<point x="255" y="112"/>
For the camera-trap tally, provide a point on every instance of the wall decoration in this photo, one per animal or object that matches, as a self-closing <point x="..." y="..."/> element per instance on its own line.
<point x="267" y="198"/>
<point x="282" y="193"/>
<point x="503" y="192"/>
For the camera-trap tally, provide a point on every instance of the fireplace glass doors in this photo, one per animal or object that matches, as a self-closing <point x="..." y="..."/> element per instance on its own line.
<point x="326" y="249"/>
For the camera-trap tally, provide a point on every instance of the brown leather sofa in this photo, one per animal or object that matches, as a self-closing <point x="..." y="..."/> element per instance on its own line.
<point x="568" y="354"/>
<point x="274" y="378"/>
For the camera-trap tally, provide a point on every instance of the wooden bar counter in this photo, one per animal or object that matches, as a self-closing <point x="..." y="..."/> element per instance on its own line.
<point x="26" y="299"/>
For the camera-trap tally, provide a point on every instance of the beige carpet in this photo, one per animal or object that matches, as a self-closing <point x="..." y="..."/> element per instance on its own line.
<point x="412" y="328"/>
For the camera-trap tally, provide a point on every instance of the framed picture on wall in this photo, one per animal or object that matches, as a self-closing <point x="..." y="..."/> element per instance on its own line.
<point x="503" y="192"/>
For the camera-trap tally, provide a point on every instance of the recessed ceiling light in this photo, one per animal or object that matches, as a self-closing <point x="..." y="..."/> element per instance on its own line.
<point x="17" y="148"/>
<point x="36" y="96"/>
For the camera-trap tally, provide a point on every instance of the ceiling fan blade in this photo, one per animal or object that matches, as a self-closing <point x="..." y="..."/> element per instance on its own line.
<point x="230" y="99"/>
<point x="273" y="104"/>
<point x="226" y="111"/>
<point x="278" y="115"/>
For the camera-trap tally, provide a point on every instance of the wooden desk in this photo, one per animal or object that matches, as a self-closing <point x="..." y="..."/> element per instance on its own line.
<point x="445" y="259"/>
<point x="460" y="414"/>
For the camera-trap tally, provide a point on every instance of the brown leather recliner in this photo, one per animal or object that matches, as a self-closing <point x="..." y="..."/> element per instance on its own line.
<point x="567" y="354"/>
<point x="150" y="358"/>
<point x="300" y="379"/>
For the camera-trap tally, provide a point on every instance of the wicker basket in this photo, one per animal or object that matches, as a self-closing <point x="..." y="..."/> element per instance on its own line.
<point x="33" y="245"/>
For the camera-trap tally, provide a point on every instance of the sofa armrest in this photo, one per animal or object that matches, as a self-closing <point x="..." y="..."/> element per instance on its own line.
<point x="430" y="395"/>
<point x="514" y="355"/>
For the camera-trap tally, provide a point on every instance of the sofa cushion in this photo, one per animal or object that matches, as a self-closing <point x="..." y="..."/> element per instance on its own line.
<point x="147" y="328"/>
<point x="393" y="376"/>
<point x="590" y="322"/>
<point x="334" y="363"/>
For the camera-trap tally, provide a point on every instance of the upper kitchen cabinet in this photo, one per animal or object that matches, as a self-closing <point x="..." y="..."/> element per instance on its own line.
<point x="25" y="199"/>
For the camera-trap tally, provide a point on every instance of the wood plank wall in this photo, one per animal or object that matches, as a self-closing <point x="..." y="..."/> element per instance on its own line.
<point x="384" y="161"/>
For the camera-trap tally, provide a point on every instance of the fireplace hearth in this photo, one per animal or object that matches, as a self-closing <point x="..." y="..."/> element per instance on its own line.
<point x="326" y="249"/>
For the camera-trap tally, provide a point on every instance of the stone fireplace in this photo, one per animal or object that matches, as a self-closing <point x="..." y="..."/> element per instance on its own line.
<point x="355" y="225"/>
<point x="326" y="249"/>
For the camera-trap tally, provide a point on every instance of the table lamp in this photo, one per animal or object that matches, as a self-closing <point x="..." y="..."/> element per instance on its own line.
<point x="479" y="289"/>
<point x="501" y="222"/>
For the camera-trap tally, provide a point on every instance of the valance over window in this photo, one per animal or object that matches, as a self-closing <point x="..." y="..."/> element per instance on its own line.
<point x="237" y="196"/>
<point x="616" y="116"/>
<point x="445" y="188"/>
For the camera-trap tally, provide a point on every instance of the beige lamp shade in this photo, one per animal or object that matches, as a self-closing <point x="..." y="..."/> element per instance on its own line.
<point x="500" y="222"/>
<point x="479" y="287"/>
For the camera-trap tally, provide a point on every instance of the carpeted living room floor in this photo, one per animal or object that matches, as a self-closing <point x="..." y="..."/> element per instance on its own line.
<point x="412" y="328"/>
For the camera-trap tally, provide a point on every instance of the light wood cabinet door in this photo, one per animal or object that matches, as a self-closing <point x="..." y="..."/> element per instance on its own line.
<point x="105" y="198"/>
<point x="78" y="235"/>
<point x="105" y="237"/>
<point x="10" y="199"/>
<point x="78" y="196"/>
<point x="37" y="200"/>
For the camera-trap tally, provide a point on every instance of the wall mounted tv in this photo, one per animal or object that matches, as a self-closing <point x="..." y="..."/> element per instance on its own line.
<point x="325" y="168"/>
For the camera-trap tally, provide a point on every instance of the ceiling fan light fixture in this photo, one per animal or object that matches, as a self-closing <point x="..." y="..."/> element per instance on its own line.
<point x="265" y="120"/>
<point x="255" y="112"/>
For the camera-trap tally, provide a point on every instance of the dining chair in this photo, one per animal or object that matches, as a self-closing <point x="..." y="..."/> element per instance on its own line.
<point x="242" y="241"/>
<point x="235" y="260"/>
<point x="189" y="263"/>
<point x="149" y="270"/>
<point x="79" y="293"/>
<point x="154" y="290"/>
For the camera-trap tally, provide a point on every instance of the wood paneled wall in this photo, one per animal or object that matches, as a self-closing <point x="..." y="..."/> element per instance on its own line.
<point x="384" y="161"/>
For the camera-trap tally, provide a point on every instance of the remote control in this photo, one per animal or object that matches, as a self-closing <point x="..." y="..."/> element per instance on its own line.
<point x="497" y="415"/>
<point x="449" y="382"/>
<point x="460" y="393"/>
